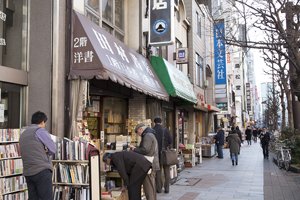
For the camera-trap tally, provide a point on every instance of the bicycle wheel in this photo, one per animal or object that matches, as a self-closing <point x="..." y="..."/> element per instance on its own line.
<point x="287" y="160"/>
<point x="287" y="165"/>
<point x="279" y="159"/>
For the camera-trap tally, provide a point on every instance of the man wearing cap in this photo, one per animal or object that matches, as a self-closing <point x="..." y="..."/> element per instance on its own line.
<point x="164" y="141"/>
<point x="148" y="147"/>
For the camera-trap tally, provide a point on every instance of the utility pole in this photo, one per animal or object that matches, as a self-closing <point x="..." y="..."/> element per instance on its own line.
<point x="291" y="10"/>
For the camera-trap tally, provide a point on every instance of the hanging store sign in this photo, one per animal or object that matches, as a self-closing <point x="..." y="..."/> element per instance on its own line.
<point x="161" y="22"/>
<point x="220" y="53"/>
<point x="2" y="18"/>
<point x="181" y="55"/>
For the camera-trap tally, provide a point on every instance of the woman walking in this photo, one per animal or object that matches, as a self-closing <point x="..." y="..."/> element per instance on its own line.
<point x="234" y="144"/>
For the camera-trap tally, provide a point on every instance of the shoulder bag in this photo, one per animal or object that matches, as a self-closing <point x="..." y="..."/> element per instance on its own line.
<point x="168" y="156"/>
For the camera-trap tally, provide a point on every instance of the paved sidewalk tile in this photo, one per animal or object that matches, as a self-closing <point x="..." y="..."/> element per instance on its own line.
<point x="255" y="178"/>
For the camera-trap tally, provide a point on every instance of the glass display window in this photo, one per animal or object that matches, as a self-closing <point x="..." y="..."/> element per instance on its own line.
<point x="10" y="104"/>
<point x="114" y="115"/>
<point x="12" y="26"/>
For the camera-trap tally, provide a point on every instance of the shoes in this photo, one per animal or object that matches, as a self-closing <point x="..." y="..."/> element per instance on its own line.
<point x="236" y="163"/>
<point x="166" y="191"/>
<point x="220" y="157"/>
<point x="158" y="191"/>
<point x="232" y="162"/>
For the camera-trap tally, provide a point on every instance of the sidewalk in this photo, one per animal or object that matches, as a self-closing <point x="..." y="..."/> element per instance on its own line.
<point x="253" y="179"/>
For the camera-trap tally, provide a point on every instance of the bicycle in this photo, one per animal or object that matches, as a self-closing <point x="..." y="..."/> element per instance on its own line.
<point x="283" y="156"/>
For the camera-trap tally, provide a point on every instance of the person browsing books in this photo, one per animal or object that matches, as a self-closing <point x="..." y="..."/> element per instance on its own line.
<point x="132" y="167"/>
<point x="37" y="148"/>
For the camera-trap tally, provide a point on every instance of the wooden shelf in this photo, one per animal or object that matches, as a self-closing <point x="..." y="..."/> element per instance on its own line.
<point x="17" y="174"/>
<point x="15" y="191"/>
<point x="8" y="142"/>
<point x="71" y="161"/>
<point x="10" y="158"/>
<point x="72" y="184"/>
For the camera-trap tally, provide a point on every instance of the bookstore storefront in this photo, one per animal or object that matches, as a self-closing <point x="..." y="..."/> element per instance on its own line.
<point x="113" y="82"/>
<point x="12" y="70"/>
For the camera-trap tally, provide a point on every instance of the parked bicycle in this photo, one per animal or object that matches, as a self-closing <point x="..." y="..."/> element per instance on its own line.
<point x="283" y="155"/>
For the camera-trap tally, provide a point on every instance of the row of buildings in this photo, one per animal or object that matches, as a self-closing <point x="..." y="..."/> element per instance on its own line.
<point x="124" y="61"/>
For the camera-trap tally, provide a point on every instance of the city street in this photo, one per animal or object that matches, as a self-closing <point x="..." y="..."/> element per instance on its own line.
<point x="253" y="179"/>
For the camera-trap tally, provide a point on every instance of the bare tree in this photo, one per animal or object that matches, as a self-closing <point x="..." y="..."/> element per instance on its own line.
<point x="279" y="23"/>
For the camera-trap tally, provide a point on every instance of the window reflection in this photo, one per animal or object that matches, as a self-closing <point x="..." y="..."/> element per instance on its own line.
<point x="107" y="10"/>
<point x="11" y="25"/>
<point x="119" y="13"/>
<point x="94" y="4"/>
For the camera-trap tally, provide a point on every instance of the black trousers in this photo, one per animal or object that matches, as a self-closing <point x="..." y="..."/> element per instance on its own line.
<point x="158" y="178"/>
<point x="134" y="187"/>
<point x="40" y="185"/>
<point x="265" y="148"/>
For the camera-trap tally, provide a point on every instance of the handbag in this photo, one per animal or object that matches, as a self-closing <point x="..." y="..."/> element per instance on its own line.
<point x="168" y="156"/>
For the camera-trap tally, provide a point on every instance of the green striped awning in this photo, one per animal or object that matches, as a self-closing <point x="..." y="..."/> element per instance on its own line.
<point x="175" y="82"/>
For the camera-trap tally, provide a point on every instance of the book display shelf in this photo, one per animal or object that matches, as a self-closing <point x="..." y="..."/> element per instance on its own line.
<point x="72" y="169"/>
<point x="12" y="183"/>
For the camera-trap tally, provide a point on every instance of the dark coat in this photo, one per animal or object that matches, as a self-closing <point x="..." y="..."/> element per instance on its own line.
<point x="162" y="134"/>
<point x="219" y="137"/>
<point x="130" y="165"/>
<point x="265" y="138"/>
<point x="234" y="143"/>
<point x="248" y="133"/>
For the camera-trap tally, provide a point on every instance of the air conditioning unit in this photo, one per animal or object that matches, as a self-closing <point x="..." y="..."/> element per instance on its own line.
<point x="206" y="83"/>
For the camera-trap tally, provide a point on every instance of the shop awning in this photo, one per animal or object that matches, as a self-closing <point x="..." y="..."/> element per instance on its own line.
<point x="97" y="54"/>
<point x="176" y="83"/>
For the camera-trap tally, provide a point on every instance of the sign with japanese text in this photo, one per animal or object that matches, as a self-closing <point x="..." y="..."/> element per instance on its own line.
<point x="161" y="22"/>
<point x="220" y="53"/>
<point x="3" y="19"/>
<point x="96" y="53"/>
<point x="248" y="96"/>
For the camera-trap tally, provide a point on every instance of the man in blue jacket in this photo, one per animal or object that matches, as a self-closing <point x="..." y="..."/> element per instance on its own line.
<point x="219" y="140"/>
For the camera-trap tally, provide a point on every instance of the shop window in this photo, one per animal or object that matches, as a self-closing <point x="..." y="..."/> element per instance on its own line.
<point x="119" y="14"/>
<point x="12" y="23"/>
<point x="10" y="102"/>
<point x="115" y="115"/>
<point x="199" y="71"/>
<point x="107" y="10"/>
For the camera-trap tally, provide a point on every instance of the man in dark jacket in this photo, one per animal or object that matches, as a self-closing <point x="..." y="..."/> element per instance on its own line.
<point x="264" y="140"/>
<point x="132" y="167"/>
<point x="219" y="140"/>
<point x="248" y="134"/>
<point x="148" y="147"/>
<point x="164" y="141"/>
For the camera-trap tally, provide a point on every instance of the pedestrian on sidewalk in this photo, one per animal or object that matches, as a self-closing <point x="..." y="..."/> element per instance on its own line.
<point x="239" y="132"/>
<point x="265" y="137"/>
<point x="219" y="141"/>
<point x="255" y="134"/>
<point x="164" y="141"/>
<point x="148" y="147"/>
<point x="234" y="144"/>
<point x="132" y="167"/>
<point x="248" y="133"/>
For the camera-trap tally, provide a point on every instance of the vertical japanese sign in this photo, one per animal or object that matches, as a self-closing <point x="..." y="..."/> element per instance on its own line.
<point x="248" y="96"/>
<point x="220" y="53"/>
<point x="161" y="22"/>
